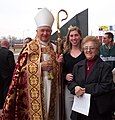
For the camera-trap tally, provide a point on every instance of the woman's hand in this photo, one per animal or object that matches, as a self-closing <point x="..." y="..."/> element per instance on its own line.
<point x="79" y="91"/>
<point x="69" y="77"/>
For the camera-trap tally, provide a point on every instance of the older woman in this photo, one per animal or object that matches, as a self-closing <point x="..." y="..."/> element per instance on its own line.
<point x="92" y="76"/>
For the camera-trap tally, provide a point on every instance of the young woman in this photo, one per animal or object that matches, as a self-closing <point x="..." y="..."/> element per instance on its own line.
<point x="71" y="56"/>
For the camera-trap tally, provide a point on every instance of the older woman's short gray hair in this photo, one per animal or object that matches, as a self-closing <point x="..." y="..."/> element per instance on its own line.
<point x="93" y="39"/>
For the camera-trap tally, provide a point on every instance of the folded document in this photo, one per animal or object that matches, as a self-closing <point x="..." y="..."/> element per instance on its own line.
<point x="81" y="104"/>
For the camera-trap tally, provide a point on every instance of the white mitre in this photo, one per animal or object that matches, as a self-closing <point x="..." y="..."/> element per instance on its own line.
<point x="44" y="18"/>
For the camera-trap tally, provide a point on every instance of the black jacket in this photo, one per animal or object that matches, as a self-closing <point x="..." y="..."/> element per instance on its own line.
<point x="99" y="82"/>
<point x="7" y="64"/>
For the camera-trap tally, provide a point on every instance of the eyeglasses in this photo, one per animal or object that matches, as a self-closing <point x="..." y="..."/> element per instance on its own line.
<point x="88" y="48"/>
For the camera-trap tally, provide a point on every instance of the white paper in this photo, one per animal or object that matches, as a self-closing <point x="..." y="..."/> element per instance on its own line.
<point x="81" y="104"/>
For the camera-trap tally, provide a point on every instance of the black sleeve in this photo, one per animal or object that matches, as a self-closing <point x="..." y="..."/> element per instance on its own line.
<point x="11" y="61"/>
<point x="73" y="84"/>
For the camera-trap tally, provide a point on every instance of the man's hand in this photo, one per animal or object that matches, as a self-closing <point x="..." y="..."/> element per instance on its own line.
<point x="46" y="66"/>
<point x="59" y="58"/>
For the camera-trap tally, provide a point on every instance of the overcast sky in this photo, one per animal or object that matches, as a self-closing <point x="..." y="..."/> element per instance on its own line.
<point x="17" y="16"/>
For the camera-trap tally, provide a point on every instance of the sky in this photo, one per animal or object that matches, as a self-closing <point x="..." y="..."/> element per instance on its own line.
<point x="17" y="16"/>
